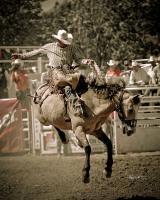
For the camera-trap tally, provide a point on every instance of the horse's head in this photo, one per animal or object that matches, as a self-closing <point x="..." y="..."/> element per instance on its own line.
<point x="127" y="109"/>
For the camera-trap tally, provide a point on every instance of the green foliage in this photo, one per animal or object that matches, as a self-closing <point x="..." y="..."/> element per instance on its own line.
<point x="110" y="28"/>
<point x="106" y="29"/>
<point x="20" y="22"/>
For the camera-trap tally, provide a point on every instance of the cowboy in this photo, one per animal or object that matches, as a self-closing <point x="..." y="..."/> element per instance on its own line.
<point x="61" y="55"/>
<point x="114" y="70"/>
<point x="157" y="71"/>
<point x="20" y="77"/>
<point x="138" y="75"/>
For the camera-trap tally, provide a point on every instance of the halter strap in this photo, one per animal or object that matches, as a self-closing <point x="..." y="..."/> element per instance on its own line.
<point x="121" y="113"/>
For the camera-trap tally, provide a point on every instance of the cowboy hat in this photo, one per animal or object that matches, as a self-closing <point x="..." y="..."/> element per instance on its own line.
<point x="158" y="59"/>
<point x="112" y="62"/>
<point x="16" y="64"/>
<point x="134" y="64"/>
<point x="151" y="59"/>
<point x="64" y="37"/>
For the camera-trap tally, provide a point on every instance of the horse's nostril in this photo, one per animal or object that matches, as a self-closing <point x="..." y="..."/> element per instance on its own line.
<point x="130" y="110"/>
<point x="130" y="132"/>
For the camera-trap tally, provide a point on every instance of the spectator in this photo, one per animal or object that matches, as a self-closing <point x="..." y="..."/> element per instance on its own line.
<point x="152" y="61"/>
<point x="150" y="72"/>
<point x="156" y="71"/>
<point x="138" y="75"/>
<point x="20" y="77"/>
<point x="114" y="70"/>
<point x="126" y="73"/>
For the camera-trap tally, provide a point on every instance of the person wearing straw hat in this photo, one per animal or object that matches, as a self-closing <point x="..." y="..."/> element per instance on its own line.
<point x="157" y="74"/>
<point x="61" y="55"/>
<point x="138" y="75"/>
<point x="157" y="71"/>
<point x="114" y="70"/>
<point x="21" y="80"/>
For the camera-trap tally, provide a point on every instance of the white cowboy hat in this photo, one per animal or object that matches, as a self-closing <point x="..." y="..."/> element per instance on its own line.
<point x="112" y="62"/>
<point x="16" y="64"/>
<point x="158" y="59"/>
<point x="64" y="37"/>
<point x="134" y="63"/>
<point x="151" y="59"/>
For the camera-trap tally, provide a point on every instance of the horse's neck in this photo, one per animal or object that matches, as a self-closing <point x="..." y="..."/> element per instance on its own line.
<point x="95" y="99"/>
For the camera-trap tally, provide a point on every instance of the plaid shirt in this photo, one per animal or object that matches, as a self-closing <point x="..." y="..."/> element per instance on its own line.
<point x="58" y="56"/>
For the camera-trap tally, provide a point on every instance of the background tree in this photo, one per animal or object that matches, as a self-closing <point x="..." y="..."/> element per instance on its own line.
<point x="110" y="28"/>
<point x="106" y="29"/>
<point x="20" y="22"/>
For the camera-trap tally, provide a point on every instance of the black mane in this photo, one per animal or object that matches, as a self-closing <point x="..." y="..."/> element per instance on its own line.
<point x="108" y="89"/>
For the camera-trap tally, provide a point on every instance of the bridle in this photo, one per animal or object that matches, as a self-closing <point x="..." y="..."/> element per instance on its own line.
<point x="118" y="107"/>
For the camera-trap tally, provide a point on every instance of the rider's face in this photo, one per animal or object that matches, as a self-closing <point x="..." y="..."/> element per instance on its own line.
<point x="61" y="44"/>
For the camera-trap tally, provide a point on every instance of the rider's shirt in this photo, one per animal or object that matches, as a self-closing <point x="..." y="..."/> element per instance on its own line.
<point x="58" y="56"/>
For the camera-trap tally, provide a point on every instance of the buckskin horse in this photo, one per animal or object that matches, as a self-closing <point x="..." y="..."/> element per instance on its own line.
<point x="99" y="102"/>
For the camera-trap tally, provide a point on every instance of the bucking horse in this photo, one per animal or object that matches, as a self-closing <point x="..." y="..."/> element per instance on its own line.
<point x="99" y="101"/>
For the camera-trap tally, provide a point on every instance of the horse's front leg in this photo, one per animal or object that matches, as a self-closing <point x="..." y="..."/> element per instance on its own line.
<point x="109" y="162"/>
<point x="84" y="142"/>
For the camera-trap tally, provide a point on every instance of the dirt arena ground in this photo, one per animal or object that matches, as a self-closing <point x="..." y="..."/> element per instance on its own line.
<point x="135" y="176"/>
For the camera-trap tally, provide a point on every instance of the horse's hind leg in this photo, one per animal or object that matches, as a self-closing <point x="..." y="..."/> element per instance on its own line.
<point x="104" y="138"/>
<point x="84" y="142"/>
<point x="62" y="136"/>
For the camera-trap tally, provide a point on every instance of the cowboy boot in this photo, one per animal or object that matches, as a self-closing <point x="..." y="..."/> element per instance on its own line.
<point x="74" y="100"/>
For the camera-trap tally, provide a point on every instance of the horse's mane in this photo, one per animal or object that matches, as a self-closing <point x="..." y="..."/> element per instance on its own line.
<point x="107" y="88"/>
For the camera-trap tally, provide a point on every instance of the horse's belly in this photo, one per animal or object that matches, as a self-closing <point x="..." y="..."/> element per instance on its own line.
<point x="52" y="109"/>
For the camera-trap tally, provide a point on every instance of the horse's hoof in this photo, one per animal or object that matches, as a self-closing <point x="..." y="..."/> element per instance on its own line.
<point x="107" y="173"/>
<point x="86" y="180"/>
<point x="85" y="177"/>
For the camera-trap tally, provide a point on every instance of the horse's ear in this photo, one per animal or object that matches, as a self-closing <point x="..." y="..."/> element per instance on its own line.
<point x="136" y="99"/>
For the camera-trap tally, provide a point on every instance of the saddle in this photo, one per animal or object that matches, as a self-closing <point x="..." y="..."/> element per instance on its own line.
<point x="45" y="90"/>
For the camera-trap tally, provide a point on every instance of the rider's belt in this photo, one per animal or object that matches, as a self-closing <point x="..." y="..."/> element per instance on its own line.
<point x="65" y="68"/>
<point x="56" y="67"/>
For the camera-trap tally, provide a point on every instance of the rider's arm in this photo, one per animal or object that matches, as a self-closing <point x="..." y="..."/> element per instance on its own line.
<point x="79" y="58"/>
<point x="43" y="50"/>
<point x="97" y="69"/>
<point x="93" y="65"/>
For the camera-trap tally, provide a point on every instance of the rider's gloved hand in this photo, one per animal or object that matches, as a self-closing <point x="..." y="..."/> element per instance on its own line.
<point x="88" y="61"/>
<point x="16" y="56"/>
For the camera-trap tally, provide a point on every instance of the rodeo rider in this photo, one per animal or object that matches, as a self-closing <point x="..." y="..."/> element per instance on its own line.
<point x="61" y="55"/>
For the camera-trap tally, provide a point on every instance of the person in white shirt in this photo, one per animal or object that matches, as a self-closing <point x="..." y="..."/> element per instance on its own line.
<point x="138" y="75"/>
